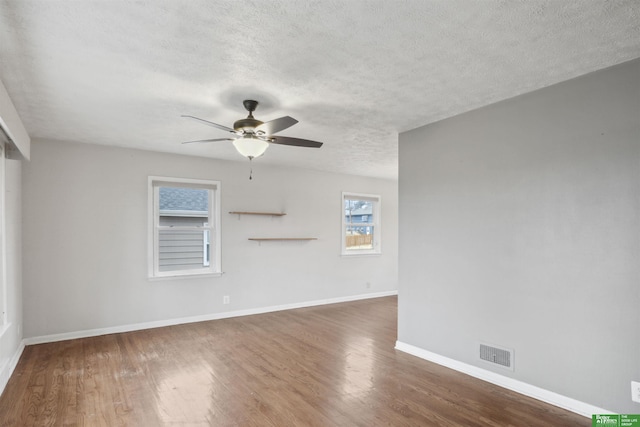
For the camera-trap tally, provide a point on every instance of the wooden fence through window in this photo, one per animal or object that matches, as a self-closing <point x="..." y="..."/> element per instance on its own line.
<point x="358" y="240"/>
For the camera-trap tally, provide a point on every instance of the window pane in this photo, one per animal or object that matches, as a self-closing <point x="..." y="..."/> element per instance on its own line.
<point x="359" y="237"/>
<point x="358" y="211"/>
<point x="186" y="201"/>
<point x="361" y="227"/>
<point x="183" y="250"/>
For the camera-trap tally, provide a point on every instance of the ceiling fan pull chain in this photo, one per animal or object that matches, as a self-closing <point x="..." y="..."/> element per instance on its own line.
<point x="250" y="168"/>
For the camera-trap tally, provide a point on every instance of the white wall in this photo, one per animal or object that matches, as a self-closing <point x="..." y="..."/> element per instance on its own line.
<point x="11" y="333"/>
<point x="85" y="239"/>
<point x="520" y="226"/>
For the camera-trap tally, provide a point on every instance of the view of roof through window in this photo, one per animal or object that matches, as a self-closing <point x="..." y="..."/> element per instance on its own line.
<point x="184" y="199"/>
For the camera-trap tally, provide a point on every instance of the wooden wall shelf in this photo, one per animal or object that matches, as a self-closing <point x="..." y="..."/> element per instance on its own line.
<point x="267" y="239"/>
<point x="258" y="213"/>
<point x="271" y="239"/>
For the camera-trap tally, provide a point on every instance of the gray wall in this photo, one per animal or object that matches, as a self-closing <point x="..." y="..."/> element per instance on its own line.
<point x="85" y="239"/>
<point x="519" y="226"/>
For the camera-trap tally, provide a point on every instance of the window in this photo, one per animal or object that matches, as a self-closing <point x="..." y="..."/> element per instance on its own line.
<point x="360" y="224"/>
<point x="183" y="227"/>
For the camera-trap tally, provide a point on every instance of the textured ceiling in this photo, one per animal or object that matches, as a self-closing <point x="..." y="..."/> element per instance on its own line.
<point x="354" y="73"/>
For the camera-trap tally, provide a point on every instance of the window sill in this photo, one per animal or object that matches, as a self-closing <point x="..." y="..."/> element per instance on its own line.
<point x="359" y="254"/>
<point x="184" y="276"/>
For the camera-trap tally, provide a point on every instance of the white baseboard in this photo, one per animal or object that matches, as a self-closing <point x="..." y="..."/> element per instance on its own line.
<point x="538" y="393"/>
<point x="202" y="318"/>
<point x="7" y="370"/>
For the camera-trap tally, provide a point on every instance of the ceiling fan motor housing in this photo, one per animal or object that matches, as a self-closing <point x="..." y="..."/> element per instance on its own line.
<point x="247" y="126"/>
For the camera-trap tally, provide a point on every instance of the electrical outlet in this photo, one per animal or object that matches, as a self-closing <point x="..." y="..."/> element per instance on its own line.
<point x="225" y="299"/>
<point x="368" y="285"/>
<point x="635" y="391"/>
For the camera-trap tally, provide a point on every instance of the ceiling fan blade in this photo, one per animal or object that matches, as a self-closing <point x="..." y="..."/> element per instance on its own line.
<point x="207" y="122"/>
<point x="208" y="140"/>
<point x="285" y="140"/>
<point x="276" y="125"/>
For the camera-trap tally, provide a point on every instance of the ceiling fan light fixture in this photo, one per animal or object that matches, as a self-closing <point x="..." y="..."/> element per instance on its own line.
<point x="250" y="147"/>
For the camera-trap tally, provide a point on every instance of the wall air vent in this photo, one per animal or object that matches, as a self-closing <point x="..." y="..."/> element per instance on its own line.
<point x="499" y="356"/>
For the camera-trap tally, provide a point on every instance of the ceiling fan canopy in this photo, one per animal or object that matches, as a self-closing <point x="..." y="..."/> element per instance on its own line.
<point x="252" y="136"/>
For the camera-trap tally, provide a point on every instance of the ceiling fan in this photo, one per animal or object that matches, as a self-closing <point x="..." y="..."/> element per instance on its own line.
<point x="252" y="136"/>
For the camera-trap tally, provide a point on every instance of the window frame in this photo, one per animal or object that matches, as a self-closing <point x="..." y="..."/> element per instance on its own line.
<point x="376" y="224"/>
<point x="213" y="269"/>
<point x="4" y="315"/>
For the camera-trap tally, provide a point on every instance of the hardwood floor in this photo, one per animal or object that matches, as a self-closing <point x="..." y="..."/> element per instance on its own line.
<point x="331" y="365"/>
